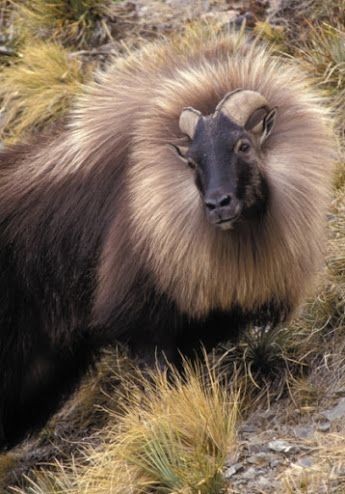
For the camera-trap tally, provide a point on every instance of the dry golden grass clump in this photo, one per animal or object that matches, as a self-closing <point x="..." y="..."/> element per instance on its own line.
<point x="274" y="35"/>
<point x="38" y="88"/>
<point x="73" y="22"/>
<point x="38" y="73"/>
<point x="172" y="435"/>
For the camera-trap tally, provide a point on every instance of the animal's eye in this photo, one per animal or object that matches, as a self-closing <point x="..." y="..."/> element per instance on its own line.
<point x="243" y="147"/>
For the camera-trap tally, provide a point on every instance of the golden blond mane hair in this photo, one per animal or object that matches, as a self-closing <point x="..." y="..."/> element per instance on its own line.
<point x="137" y="105"/>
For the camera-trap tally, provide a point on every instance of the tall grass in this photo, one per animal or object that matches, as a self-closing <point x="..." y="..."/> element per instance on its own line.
<point x="323" y="56"/>
<point x="72" y="22"/>
<point x="174" y="435"/>
<point x="38" y="88"/>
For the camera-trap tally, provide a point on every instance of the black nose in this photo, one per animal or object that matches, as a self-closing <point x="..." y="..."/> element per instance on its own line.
<point x="218" y="201"/>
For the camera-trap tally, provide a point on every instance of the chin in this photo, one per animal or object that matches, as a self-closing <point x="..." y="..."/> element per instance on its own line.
<point x="228" y="225"/>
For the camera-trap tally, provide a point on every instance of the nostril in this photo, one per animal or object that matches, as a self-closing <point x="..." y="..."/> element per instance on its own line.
<point x="211" y="204"/>
<point x="218" y="202"/>
<point x="224" y="201"/>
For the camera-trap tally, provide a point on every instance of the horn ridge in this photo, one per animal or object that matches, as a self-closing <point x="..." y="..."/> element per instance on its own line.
<point x="238" y="105"/>
<point x="224" y="99"/>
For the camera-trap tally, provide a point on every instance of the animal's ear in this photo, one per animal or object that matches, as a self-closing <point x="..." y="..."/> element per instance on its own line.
<point x="261" y="123"/>
<point x="188" y="121"/>
<point x="181" y="151"/>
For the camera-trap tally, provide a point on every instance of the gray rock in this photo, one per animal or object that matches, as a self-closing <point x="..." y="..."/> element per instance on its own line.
<point x="264" y="483"/>
<point x="261" y="458"/>
<point x="251" y="473"/>
<point x="304" y="431"/>
<point x="222" y="17"/>
<point x="305" y="462"/>
<point x="324" y="426"/>
<point x="248" y="428"/>
<point x="280" y="446"/>
<point x="229" y="472"/>
<point x="336" y="412"/>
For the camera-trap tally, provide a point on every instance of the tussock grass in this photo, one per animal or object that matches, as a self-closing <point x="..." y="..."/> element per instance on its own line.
<point x="331" y="11"/>
<point x="173" y="435"/>
<point x="73" y="22"/>
<point x="8" y="38"/>
<point x="183" y="430"/>
<point x="274" y="35"/>
<point x="38" y="88"/>
<point x="323" y="56"/>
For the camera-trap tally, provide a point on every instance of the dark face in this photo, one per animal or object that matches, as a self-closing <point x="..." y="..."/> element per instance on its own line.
<point x="224" y="159"/>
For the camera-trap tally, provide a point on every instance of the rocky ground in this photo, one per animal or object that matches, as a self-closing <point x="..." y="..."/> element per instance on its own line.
<point x="273" y="446"/>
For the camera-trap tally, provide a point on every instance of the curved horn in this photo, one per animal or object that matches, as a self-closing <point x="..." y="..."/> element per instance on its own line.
<point x="240" y="105"/>
<point x="188" y="121"/>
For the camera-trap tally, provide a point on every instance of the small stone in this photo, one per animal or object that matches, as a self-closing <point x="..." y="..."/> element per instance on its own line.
<point x="229" y="472"/>
<point x="251" y="473"/>
<point x="305" y="462"/>
<point x="275" y="463"/>
<point x="261" y="458"/>
<point x="304" y="432"/>
<point x="339" y="471"/>
<point x="264" y="483"/>
<point x="248" y="428"/>
<point x="222" y="18"/>
<point x="280" y="446"/>
<point x="324" y="426"/>
<point x="269" y="415"/>
<point x="247" y="17"/>
<point x="336" y="412"/>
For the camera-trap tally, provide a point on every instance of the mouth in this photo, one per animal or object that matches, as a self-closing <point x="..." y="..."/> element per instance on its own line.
<point x="227" y="223"/>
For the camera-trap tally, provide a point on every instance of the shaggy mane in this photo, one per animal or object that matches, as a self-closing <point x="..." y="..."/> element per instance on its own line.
<point x="202" y="269"/>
